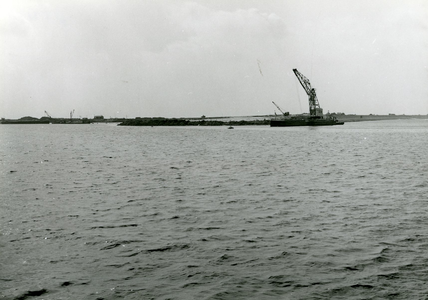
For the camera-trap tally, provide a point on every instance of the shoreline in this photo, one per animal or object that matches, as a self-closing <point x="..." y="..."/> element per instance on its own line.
<point x="250" y="120"/>
<point x="205" y="121"/>
<point x="360" y="118"/>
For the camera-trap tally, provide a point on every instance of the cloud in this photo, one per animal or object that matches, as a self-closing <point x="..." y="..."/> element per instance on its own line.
<point x="178" y="58"/>
<point x="216" y="59"/>
<point x="14" y="25"/>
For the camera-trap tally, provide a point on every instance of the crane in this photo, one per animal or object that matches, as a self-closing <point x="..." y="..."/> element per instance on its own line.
<point x="49" y="116"/>
<point x="315" y="111"/>
<point x="284" y="113"/>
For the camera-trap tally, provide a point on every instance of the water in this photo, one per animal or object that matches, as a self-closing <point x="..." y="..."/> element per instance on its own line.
<point x="105" y="212"/>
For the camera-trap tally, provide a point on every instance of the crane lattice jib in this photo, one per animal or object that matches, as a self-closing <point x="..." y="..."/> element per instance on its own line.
<point x="279" y="108"/>
<point x="314" y="106"/>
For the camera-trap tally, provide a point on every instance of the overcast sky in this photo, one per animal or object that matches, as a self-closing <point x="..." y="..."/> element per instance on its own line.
<point x="178" y="58"/>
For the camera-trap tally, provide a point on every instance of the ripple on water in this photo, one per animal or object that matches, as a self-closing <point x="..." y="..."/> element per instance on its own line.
<point x="103" y="212"/>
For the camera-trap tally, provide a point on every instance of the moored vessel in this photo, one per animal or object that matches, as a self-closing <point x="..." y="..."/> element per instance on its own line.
<point x="297" y="121"/>
<point x="315" y="117"/>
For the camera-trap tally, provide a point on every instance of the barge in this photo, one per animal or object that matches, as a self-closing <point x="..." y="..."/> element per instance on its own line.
<point x="315" y="117"/>
<point x="296" y="121"/>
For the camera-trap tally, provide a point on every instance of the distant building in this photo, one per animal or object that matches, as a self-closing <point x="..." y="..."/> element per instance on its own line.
<point x="99" y="117"/>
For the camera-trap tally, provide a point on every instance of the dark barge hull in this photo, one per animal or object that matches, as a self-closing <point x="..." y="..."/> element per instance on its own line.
<point x="317" y="122"/>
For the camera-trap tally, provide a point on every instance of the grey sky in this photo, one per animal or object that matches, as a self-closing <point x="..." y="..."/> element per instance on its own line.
<point x="191" y="58"/>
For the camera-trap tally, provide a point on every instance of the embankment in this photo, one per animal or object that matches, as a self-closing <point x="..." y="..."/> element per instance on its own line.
<point x="187" y="122"/>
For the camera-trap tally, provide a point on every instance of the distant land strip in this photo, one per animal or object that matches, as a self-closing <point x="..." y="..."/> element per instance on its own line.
<point x="201" y="121"/>
<point x="250" y="120"/>
<point x="189" y="122"/>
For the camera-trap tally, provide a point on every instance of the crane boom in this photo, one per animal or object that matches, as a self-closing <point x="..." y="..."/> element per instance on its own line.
<point x="284" y="113"/>
<point x="315" y="110"/>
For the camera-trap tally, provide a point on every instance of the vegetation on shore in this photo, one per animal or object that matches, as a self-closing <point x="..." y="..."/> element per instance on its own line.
<point x="187" y="122"/>
<point x="266" y="121"/>
<point x="202" y="121"/>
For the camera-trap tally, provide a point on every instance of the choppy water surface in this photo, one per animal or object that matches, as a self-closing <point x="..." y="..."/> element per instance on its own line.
<point x="105" y="212"/>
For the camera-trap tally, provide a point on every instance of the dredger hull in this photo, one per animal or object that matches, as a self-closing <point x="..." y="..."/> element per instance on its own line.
<point x="316" y="122"/>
